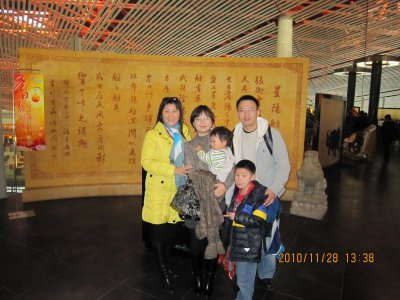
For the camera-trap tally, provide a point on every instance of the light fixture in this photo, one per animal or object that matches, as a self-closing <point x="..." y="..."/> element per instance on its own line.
<point x="387" y="61"/>
<point x="346" y="70"/>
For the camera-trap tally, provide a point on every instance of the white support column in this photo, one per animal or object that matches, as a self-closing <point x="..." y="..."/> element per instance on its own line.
<point x="76" y="43"/>
<point x="285" y="37"/>
<point x="362" y="103"/>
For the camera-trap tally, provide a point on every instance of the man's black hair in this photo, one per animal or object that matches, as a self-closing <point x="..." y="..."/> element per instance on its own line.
<point x="248" y="97"/>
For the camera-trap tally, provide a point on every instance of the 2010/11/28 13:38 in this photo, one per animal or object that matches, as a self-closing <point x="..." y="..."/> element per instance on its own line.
<point x="327" y="257"/>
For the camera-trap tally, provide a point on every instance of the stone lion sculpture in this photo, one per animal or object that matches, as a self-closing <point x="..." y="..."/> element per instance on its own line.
<point x="310" y="200"/>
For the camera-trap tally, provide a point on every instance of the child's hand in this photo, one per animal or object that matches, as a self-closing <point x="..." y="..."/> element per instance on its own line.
<point x="230" y="215"/>
<point x="219" y="189"/>
<point x="199" y="148"/>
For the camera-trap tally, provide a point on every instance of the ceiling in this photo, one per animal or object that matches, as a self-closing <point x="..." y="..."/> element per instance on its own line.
<point x="331" y="33"/>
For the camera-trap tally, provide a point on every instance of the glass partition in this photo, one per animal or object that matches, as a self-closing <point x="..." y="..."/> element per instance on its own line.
<point x="13" y="159"/>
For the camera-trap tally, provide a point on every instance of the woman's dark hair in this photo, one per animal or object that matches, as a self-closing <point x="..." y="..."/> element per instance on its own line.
<point x="202" y="109"/>
<point x="246" y="164"/>
<point x="248" y="97"/>
<point x="178" y="104"/>
<point x="223" y="133"/>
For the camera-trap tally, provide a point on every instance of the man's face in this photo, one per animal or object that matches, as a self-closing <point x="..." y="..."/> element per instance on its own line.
<point x="248" y="113"/>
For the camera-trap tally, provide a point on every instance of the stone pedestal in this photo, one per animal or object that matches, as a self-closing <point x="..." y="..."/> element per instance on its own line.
<point x="310" y="200"/>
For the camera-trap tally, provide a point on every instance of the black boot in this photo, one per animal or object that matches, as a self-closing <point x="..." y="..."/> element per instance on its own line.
<point x="165" y="278"/>
<point x="197" y="267"/>
<point x="167" y="250"/>
<point x="211" y="269"/>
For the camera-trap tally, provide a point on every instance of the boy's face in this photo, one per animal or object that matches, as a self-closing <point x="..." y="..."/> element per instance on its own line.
<point x="216" y="142"/>
<point x="243" y="178"/>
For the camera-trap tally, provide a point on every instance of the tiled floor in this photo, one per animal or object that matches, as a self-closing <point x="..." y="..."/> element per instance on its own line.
<point x="91" y="248"/>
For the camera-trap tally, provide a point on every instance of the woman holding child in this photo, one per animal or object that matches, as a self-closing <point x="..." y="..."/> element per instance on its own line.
<point x="202" y="120"/>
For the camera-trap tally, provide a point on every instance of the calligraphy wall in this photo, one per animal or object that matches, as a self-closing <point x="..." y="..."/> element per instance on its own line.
<point x="100" y="105"/>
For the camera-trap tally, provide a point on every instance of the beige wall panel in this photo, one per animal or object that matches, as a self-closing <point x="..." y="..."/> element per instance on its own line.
<point x="394" y="112"/>
<point x="98" y="107"/>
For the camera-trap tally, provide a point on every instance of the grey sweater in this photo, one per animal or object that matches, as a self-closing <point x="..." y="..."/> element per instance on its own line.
<point x="272" y="170"/>
<point x="192" y="159"/>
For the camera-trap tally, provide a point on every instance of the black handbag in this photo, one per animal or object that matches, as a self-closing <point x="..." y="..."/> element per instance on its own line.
<point x="186" y="202"/>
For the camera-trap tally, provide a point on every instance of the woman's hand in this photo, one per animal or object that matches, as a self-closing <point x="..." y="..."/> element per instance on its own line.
<point x="184" y="171"/>
<point x="219" y="189"/>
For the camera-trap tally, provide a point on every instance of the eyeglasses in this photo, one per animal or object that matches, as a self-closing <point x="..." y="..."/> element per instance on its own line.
<point x="249" y="109"/>
<point x="173" y="99"/>
<point x="200" y="119"/>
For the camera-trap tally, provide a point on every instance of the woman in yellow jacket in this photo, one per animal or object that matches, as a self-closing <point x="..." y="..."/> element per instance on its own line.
<point x="162" y="158"/>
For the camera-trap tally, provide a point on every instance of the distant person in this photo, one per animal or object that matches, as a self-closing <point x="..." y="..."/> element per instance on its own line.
<point x="361" y="121"/>
<point x="310" y="125"/>
<point x="389" y="133"/>
<point x="351" y="119"/>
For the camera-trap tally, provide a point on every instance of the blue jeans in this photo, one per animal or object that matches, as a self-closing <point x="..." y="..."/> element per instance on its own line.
<point x="245" y="274"/>
<point x="267" y="266"/>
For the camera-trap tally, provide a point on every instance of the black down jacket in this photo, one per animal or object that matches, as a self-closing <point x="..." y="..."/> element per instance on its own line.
<point x="248" y="229"/>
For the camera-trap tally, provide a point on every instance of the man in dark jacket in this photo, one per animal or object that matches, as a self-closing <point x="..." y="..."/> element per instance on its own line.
<point x="389" y="133"/>
<point x="251" y="222"/>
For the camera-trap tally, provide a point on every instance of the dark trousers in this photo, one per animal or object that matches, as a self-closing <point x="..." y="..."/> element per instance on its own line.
<point x="196" y="246"/>
<point x="162" y="234"/>
<point x="386" y="149"/>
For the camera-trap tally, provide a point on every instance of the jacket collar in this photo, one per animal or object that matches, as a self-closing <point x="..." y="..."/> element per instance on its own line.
<point x="163" y="131"/>
<point x="262" y="126"/>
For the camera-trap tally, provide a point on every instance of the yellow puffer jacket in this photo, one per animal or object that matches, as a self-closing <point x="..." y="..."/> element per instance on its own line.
<point x="160" y="179"/>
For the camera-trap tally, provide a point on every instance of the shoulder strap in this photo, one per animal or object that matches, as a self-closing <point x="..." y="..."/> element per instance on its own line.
<point x="233" y="150"/>
<point x="268" y="140"/>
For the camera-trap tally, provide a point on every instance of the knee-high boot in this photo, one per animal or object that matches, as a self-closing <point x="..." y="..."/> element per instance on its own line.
<point x="168" y="249"/>
<point x="197" y="267"/>
<point x="211" y="269"/>
<point x="165" y="278"/>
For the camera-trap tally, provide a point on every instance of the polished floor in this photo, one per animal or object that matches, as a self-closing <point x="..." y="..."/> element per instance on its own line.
<point x="91" y="248"/>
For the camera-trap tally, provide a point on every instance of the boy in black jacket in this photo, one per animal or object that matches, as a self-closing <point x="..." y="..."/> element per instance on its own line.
<point x="251" y="220"/>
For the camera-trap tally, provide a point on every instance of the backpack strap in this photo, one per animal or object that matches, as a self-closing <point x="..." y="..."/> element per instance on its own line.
<point x="268" y="140"/>
<point x="233" y="150"/>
